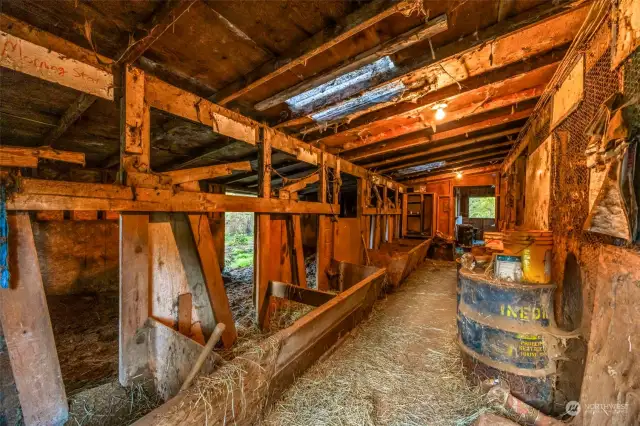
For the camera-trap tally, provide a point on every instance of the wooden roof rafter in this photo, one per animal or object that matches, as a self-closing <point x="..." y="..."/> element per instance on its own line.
<point x="390" y="163"/>
<point x="418" y="72"/>
<point x="448" y="175"/>
<point x="486" y="121"/>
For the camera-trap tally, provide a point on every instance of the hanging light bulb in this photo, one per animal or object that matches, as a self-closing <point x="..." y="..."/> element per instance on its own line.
<point x="439" y="109"/>
<point x="458" y="175"/>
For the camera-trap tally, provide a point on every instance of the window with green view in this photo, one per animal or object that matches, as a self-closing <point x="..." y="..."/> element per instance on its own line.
<point x="482" y="207"/>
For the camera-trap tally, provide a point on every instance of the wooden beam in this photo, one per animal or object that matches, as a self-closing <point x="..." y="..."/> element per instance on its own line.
<point x="70" y="116"/>
<point x="389" y="47"/>
<point x="164" y="200"/>
<point x="178" y="102"/>
<point x="534" y="69"/>
<point x="28" y="333"/>
<point x="25" y="155"/>
<point x="135" y="123"/>
<point x="213" y="276"/>
<point x="495" y="119"/>
<point x="207" y="172"/>
<point x="40" y="62"/>
<point x="448" y="156"/>
<point x="443" y="148"/>
<point x="300" y="184"/>
<point x="550" y="25"/>
<point x="425" y="120"/>
<point x="161" y="22"/>
<point x="347" y="27"/>
<point x="459" y="162"/>
<point x="134" y="295"/>
<point x="444" y="176"/>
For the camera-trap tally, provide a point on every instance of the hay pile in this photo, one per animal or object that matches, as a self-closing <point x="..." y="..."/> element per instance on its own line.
<point x="111" y="404"/>
<point x="401" y="367"/>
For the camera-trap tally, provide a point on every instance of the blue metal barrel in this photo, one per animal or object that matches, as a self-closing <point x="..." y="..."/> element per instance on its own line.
<point x="503" y="333"/>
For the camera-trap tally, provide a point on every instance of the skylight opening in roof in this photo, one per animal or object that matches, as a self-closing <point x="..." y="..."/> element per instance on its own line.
<point x="375" y="96"/>
<point x="343" y="86"/>
<point x="423" y="168"/>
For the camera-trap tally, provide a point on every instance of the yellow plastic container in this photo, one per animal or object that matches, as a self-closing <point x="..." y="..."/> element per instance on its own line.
<point x="534" y="248"/>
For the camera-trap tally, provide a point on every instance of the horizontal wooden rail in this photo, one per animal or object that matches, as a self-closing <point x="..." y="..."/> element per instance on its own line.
<point x="38" y="194"/>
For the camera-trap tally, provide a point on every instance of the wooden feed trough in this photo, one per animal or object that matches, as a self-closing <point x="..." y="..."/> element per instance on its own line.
<point x="399" y="258"/>
<point x="241" y="389"/>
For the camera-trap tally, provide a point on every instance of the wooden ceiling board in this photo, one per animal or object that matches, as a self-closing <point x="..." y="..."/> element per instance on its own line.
<point x="110" y="21"/>
<point x="38" y="103"/>
<point x="96" y="133"/>
<point x="202" y="46"/>
<point x="278" y="25"/>
<point x="331" y="58"/>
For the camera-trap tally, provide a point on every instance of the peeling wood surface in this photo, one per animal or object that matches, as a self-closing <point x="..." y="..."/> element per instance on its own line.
<point x="538" y="187"/>
<point x="569" y="94"/>
<point x="627" y="30"/>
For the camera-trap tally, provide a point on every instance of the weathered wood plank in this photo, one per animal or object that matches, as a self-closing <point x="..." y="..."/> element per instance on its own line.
<point x="134" y="295"/>
<point x="37" y="61"/>
<point x="299" y="294"/>
<point x="207" y="172"/>
<point x="213" y="277"/>
<point x="27" y="329"/>
<point x="15" y="152"/>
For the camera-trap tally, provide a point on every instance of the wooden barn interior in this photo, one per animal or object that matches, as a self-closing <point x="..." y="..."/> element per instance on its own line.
<point x="319" y="212"/>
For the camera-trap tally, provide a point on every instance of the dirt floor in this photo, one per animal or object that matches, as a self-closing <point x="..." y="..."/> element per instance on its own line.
<point x="85" y="328"/>
<point x="401" y="367"/>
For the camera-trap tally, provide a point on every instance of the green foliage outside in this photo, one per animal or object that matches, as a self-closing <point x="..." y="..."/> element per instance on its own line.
<point x="238" y="240"/>
<point x="482" y="207"/>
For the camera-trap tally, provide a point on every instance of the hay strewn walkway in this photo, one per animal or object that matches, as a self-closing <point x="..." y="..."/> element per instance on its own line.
<point x="401" y="367"/>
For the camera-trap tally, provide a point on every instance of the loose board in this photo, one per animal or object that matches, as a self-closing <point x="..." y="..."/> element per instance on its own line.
<point x="538" y="187"/>
<point x="569" y="95"/>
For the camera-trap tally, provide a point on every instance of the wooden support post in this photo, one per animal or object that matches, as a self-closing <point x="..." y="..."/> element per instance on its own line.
<point x="323" y="247"/>
<point x="217" y="224"/>
<point x="27" y="329"/>
<point x="134" y="295"/>
<point x="396" y="218"/>
<point x="262" y="248"/>
<point x="135" y="123"/>
<point x="213" y="276"/>
<point x="385" y="218"/>
<point x="405" y="206"/>
<point x="295" y="241"/>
